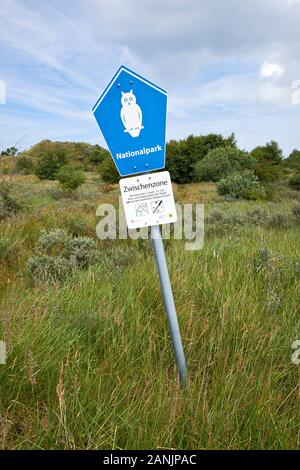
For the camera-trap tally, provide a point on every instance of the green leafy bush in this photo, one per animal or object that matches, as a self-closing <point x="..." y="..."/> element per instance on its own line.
<point x="9" y="152"/>
<point x="49" y="164"/>
<point x="57" y="254"/>
<point x="84" y="249"/>
<point x="257" y="216"/>
<point x="51" y="269"/>
<point x="53" y="243"/>
<point x="24" y="165"/>
<point x="183" y="155"/>
<point x="293" y="160"/>
<point x="220" y="162"/>
<point x="280" y="220"/>
<point x="294" y="182"/>
<point x="70" y="178"/>
<point x="108" y="171"/>
<point x="242" y="185"/>
<point x="268" y="162"/>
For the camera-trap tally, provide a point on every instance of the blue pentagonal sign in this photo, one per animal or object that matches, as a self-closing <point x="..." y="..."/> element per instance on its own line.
<point x="131" y="113"/>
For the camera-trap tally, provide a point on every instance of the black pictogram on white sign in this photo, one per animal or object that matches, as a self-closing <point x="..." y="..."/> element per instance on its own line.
<point x="141" y="209"/>
<point x="158" y="206"/>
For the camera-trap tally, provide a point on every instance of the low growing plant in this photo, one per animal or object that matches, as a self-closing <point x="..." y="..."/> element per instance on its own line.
<point x="70" y="178"/>
<point x="294" y="182"/>
<point x="57" y="253"/>
<point x="8" y="204"/>
<point x="242" y="185"/>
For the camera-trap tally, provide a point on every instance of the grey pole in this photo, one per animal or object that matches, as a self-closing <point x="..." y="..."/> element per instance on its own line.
<point x="166" y="288"/>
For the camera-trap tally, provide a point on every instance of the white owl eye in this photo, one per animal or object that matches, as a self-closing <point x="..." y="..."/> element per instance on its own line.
<point x="130" y="99"/>
<point x="125" y="99"/>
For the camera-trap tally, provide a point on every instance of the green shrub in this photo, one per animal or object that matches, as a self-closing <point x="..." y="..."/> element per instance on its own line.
<point x="49" y="164"/>
<point x="242" y="185"/>
<point x="9" y="152"/>
<point x="24" y="165"/>
<point x="45" y="268"/>
<point x="183" y="155"/>
<point x="266" y="171"/>
<point x="108" y="171"/>
<point x="84" y="249"/>
<point x="294" y="182"/>
<point x="221" y="162"/>
<point x="8" y="204"/>
<point x="70" y="178"/>
<point x="268" y="162"/>
<point x="219" y="222"/>
<point x="280" y="220"/>
<point x="53" y="243"/>
<point x="257" y="216"/>
<point x="57" y="254"/>
<point x="293" y="160"/>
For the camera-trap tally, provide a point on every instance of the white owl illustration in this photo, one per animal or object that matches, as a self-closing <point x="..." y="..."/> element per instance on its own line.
<point x="131" y="114"/>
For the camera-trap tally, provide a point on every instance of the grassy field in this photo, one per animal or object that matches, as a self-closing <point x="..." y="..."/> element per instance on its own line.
<point x="90" y="362"/>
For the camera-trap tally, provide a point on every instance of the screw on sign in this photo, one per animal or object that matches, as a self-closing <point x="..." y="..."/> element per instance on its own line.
<point x="131" y="113"/>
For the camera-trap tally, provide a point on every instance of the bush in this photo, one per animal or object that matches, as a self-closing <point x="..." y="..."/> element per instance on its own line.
<point x="183" y="155"/>
<point x="49" y="164"/>
<point x="24" y="165"/>
<point x="84" y="249"/>
<point x="257" y="216"/>
<point x="242" y="185"/>
<point x="221" y="162"/>
<point x="8" y="204"/>
<point x="222" y="222"/>
<point x="280" y="220"/>
<point x="293" y="160"/>
<point x="70" y="178"/>
<point x="268" y="166"/>
<point x="108" y="171"/>
<point x="294" y="182"/>
<point x="53" y="243"/>
<point x="58" y="253"/>
<point x="45" y="268"/>
<point x="9" y="152"/>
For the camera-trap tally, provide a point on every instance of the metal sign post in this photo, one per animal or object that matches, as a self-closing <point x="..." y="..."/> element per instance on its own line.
<point x="131" y="113"/>
<point x="159" y="253"/>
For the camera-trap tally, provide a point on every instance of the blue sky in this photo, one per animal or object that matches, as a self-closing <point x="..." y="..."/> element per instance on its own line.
<point x="228" y="66"/>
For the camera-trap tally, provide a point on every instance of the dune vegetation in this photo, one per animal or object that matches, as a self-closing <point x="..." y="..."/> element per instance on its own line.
<point x="89" y="356"/>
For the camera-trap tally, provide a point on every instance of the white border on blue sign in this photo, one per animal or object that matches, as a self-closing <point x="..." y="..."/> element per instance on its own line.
<point x="161" y="90"/>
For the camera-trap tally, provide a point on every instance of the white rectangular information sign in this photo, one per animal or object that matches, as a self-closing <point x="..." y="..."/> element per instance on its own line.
<point x="148" y="200"/>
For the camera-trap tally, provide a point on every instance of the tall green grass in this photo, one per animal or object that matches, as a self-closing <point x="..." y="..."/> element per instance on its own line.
<point x="90" y="362"/>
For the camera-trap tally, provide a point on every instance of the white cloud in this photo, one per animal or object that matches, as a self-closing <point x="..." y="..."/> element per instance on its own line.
<point x="269" y="69"/>
<point x="273" y="94"/>
<point x="57" y="57"/>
